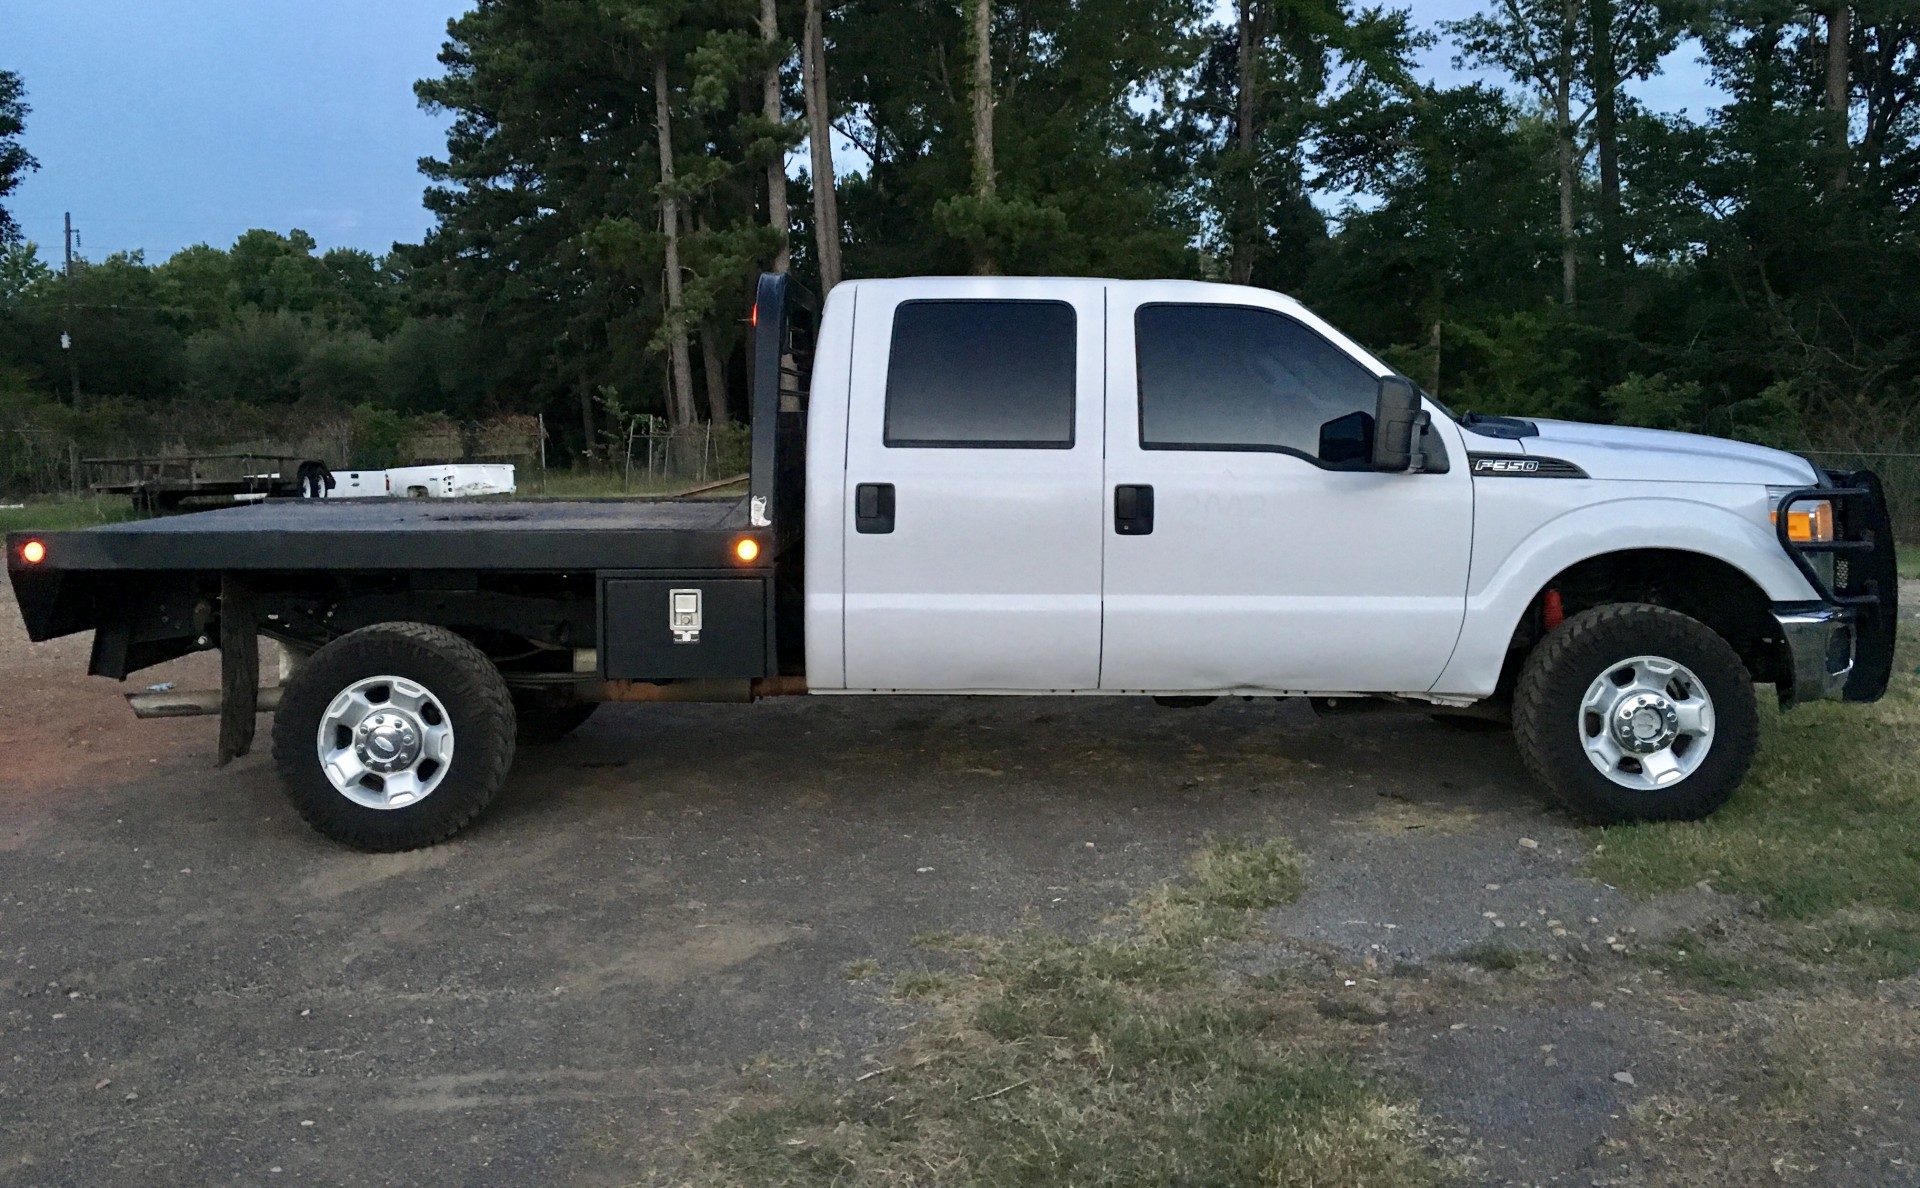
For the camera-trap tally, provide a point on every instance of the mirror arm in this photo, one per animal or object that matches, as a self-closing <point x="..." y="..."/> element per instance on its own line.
<point x="1417" y="447"/>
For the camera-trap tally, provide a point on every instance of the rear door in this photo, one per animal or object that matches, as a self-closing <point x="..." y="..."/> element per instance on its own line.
<point x="973" y="497"/>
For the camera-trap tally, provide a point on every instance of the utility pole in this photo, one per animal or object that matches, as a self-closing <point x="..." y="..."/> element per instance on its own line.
<point x="66" y="335"/>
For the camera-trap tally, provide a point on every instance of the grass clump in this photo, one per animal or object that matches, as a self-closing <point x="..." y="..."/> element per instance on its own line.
<point x="1121" y="1059"/>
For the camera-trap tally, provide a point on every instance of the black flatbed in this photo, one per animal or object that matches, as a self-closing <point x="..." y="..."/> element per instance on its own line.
<point x="531" y="578"/>
<point x="297" y="535"/>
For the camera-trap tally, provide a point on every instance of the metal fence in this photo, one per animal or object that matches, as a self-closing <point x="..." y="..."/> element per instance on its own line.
<point x="652" y="457"/>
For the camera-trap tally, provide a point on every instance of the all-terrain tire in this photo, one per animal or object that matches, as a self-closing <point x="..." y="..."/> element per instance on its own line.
<point x="1547" y="718"/>
<point x="459" y="677"/>
<point x="546" y="717"/>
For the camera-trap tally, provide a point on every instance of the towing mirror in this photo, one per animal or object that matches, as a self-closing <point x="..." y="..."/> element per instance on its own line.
<point x="1396" y="424"/>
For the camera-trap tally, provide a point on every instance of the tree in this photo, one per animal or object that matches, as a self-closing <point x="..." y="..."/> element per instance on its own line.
<point x="15" y="161"/>
<point x="770" y="111"/>
<point x="826" y="204"/>
<point x="1839" y="90"/>
<point x="1287" y="75"/>
<point x="680" y="396"/>
<point x="980" y="82"/>
<point x="1542" y="43"/>
<point x="21" y="271"/>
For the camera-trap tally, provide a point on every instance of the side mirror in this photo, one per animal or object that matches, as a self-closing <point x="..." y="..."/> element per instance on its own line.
<point x="1397" y="421"/>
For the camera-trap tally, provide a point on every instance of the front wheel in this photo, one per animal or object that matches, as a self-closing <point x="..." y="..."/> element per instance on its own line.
<point x="394" y="737"/>
<point x="1633" y="712"/>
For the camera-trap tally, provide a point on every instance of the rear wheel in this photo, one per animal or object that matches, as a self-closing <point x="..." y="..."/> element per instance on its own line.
<point x="1633" y="712"/>
<point x="394" y="737"/>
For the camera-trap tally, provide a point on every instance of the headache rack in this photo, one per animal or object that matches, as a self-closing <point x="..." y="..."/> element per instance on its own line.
<point x="1865" y="576"/>
<point x="786" y="320"/>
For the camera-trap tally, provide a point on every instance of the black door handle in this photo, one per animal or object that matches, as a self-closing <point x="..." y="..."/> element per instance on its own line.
<point x="1133" y="510"/>
<point x="873" y="508"/>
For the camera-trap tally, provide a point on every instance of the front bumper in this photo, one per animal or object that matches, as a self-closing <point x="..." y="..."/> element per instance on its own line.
<point x="1819" y="643"/>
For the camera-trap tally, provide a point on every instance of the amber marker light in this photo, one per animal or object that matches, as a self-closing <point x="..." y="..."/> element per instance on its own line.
<point x="33" y="552"/>
<point x="747" y="549"/>
<point x="1811" y="525"/>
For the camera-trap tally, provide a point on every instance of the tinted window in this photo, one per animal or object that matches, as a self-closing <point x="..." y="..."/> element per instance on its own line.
<point x="1228" y="377"/>
<point x="981" y="373"/>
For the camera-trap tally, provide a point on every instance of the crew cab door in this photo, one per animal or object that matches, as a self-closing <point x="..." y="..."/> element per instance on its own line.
<point x="974" y="514"/>
<point x="1269" y="556"/>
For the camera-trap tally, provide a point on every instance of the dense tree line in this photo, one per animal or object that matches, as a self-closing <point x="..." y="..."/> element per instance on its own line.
<point x="1537" y="240"/>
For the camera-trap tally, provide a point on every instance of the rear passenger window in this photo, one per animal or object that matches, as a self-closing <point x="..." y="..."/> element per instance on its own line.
<point x="1224" y="377"/>
<point x="981" y="374"/>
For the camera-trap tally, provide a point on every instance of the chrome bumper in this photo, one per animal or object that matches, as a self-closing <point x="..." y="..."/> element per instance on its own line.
<point x="1819" y="642"/>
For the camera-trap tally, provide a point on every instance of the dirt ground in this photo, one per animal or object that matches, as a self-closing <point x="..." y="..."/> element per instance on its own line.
<point x="660" y="914"/>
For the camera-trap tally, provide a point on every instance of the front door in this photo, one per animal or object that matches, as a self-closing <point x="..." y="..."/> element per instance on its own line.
<point x="973" y="486"/>
<point x="1267" y="556"/>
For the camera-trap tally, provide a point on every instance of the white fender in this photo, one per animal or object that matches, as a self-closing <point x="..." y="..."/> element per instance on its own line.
<point x="1504" y="580"/>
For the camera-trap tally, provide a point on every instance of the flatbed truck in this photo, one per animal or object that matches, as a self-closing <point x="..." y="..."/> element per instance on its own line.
<point x="1031" y="486"/>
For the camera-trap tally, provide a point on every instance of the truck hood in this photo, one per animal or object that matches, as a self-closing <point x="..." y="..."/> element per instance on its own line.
<point x="1659" y="455"/>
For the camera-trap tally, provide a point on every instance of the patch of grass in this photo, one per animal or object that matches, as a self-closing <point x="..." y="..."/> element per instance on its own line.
<point x="1116" y="1060"/>
<point x="1828" y="821"/>
<point x="56" y="514"/>
<point x="861" y="970"/>
<point x="923" y="983"/>
<point x="1882" y="945"/>
<point x="1706" y="965"/>
<point x="1910" y="561"/>
<point x="1850" y="950"/>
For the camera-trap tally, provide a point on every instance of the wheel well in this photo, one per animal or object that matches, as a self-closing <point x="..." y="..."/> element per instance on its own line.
<point x="1702" y="587"/>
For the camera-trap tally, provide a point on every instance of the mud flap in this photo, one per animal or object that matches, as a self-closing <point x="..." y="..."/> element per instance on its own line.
<point x="239" y="667"/>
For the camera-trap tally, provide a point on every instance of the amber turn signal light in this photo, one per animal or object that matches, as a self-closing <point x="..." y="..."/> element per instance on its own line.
<point x="33" y="552"/>
<point x="1809" y="523"/>
<point x="747" y="549"/>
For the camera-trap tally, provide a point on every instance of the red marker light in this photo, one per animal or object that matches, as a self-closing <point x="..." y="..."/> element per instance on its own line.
<point x="33" y="552"/>
<point x="753" y="318"/>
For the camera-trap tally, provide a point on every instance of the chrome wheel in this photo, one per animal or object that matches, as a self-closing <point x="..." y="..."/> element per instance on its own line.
<point x="385" y="742"/>
<point x="1647" y="723"/>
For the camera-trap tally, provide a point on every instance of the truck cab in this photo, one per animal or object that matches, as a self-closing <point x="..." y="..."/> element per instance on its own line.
<point x="1007" y="486"/>
<point x="1118" y="487"/>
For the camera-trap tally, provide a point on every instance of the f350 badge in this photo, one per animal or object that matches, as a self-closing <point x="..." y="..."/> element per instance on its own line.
<point x="1514" y="466"/>
<point x="1506" y="466"/>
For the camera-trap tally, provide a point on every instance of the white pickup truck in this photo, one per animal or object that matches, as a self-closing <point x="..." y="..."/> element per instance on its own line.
<point x="1044" y="487"/>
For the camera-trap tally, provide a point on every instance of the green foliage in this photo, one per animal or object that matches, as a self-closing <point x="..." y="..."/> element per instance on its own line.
<point x="15" y="161"/>
<point x="379" y="438"/>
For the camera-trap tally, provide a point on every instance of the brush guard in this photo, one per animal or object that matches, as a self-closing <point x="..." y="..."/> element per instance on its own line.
<point x="1866" y="581"/>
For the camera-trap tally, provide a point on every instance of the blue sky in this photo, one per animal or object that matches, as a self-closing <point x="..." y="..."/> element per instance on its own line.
<point x="162" y="123"/>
